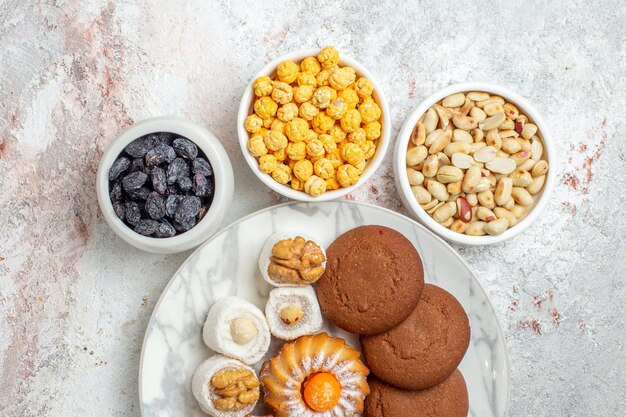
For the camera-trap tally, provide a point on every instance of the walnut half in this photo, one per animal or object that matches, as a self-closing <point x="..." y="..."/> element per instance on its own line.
<point x="296" y="261"/>
<point x="236" y="387"/>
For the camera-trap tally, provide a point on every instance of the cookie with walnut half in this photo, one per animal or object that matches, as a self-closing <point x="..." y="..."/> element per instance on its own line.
<point x="225" y="387"/>
<point x="291" y="259"/>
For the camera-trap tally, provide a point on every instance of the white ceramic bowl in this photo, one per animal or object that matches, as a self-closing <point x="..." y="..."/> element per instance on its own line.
<point x="223" y="176"/>
<point x="245" y="109"/>
<point x="404" y="188"/>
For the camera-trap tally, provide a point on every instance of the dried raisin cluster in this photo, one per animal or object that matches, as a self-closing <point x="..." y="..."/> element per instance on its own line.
<point x="161" y="185"/>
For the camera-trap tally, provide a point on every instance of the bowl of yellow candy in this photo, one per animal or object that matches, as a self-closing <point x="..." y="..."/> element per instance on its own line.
<point x="313" y="126"/>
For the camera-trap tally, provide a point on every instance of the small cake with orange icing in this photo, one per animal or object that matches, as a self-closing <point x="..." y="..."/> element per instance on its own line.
<point x="315" y="376"/>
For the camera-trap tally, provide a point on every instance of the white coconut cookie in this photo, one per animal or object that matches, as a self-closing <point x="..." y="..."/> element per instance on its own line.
<point x="290" y="259"/>
<point x="225" y="387"/>
<point x="293" y="312"/>
<point x="236" y="328"/>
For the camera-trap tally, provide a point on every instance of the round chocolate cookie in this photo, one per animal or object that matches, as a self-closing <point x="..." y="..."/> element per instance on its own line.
<point x="373" y="280"/>
<point x="448" y="399"/>
<point x="425" y="348"/>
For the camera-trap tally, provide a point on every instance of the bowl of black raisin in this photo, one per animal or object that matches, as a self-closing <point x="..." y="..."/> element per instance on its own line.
<point x="165" y="184"/>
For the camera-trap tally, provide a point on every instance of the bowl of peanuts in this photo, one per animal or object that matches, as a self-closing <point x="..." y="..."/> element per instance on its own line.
<point x="475" y="163"/>
<point x="314" y="125"/>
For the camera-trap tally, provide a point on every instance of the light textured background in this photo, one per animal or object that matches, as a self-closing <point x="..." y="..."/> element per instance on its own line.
<point x="75" y="300"/>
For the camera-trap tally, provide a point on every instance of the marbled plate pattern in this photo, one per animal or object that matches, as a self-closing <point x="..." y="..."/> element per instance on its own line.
<point x="227" y="265"/>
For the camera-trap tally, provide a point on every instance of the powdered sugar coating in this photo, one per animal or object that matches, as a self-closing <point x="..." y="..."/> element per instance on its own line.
<point x="201" y="385"/>
<point x="303" y="297"/>
<point x="217" y="330"/>
<point x="283" y="376"/>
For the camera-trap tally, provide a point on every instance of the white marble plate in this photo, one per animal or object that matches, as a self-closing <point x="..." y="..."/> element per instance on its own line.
<point x="227" y="265"/>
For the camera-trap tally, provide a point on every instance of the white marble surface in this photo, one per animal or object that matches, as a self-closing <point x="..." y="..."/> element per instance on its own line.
<point x="75" y="300"/>
<point x="173" y="347"/>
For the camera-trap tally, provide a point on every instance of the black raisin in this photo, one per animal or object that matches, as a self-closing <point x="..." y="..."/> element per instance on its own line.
<point x="139" y="194"/>
<point x="119" y="210"/>
<point x="147" y="227"/>
<point x="177" y="169"/>
<point x="134" y="181"/>
<point x="159" y="154"/>
<point x="138" y="165"/>
<point x="133" y="213"/>
<point x="158" y="180"/>
<point x="119" y="166"/>
<point x="202" y="212"/>
<point x="185" y="184"/>
<point x="171" y="204"/>
<point x="155" y="206"/>
<point x="200" y="185"/>
<point x="140" y="147"/>
<point x="165" y="137"/>
<point x="185" y="148"/>
<point x="116" y="191"/>
<point x="184" y="226"/>
<point x="202" y="166"/>
<point x="165" y="229"/>
<point x="187" y="209"/>
<point x="172" y="189"/>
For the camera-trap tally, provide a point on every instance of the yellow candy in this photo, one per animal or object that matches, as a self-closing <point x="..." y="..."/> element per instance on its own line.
<point x="282" y="93"/>
<point x="322" y="123"/>
<point x="297" y="129"/>
<point x="265" y="107"/>
<point x="315" y="186"/>
<point x="373" y="130"/>
<point x="287" y="112"/>
<point x="311" y="65"/>
<point x="324" y="168"/>
<point x="342" y="78"/>
<point x="364" y="87"/>
<point x="351" y="121"/>
<point x="308" y="111"/>
<point x="267" y="123"/>
<point x="347" y="175"/>
<point x="263" y="86"/>
<point x="256" y="145"/>
<point x="303" y="169"/>
<point x="278" y="125"/>
<point x="369" y="111"/>
<point x="337" y="133"/>
<point x="323" y="96"/>
<point x="337" y="109"/>
<point x="328" y="57"/>
<point x="297" y="185"/>
<point x="315" y="148"/>
<point x="350" y="97"/>
<point x="332" y="184"/>
<point x="263" y="131"/>
<point x="358" y="136"/>
<point x="291" y="164"/>
<point x="303" y="93"/>
<point x="322" y="77"/>
<point x="296" y="151"/>
<point x="312" y="134"/>
<point x="268" y="163"/>
<point x="307" y="78"/>
<point x="369" y="149"/>
<point x="287" y="71"/>
<point x="280" y="155"/>
<point x="335" y="158"/>
<point x="282" y="174"/>
<point x="360" y="166"/>
<point x="253" y="123"/>
<point x="352" y="153"/>
<point x="328" y="141"/>
<point x="275" y="141"/>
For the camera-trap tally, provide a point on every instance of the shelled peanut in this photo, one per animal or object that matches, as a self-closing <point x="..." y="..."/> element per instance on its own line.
<point x="475" y="163"/>
<point x="315" y="125"/>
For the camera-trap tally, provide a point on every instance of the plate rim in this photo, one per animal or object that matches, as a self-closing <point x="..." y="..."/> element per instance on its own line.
<point x="507" y="361"/>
